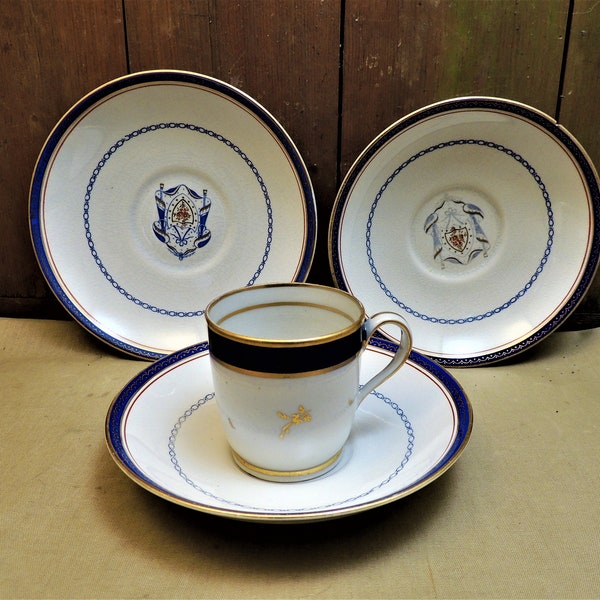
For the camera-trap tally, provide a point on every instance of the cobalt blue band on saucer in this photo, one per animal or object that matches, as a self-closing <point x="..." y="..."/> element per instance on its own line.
<point x="285" y="358"/>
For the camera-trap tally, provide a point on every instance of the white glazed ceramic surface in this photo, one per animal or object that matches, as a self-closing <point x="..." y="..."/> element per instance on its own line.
<point x="163" y="430"/>
<point x="159" y="191"/>
<point x="293" y="426"/>
<point x="289" y="423"/>
<point x="475" y="218"/>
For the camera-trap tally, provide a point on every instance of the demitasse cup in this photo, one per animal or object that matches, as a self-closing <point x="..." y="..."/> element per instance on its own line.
<point x="285" y="360"/>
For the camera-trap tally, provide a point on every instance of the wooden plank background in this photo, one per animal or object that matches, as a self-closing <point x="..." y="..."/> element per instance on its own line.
<point x="333" y="72"/>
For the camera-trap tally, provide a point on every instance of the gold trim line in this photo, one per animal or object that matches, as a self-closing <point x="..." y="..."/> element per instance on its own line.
<point x="218" y="327"/>
<point x="355" y="324"/>
<point x="285" y="474"/>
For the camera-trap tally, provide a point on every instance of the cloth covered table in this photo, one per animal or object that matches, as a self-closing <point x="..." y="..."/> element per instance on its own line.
<point x="517" y="516"/>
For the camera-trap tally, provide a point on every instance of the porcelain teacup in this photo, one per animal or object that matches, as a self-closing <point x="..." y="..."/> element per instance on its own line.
<point x="285" y="360"/>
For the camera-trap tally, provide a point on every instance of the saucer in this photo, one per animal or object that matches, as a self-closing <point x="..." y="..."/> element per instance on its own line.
<point x="164" y="432"/>
<point x="159" y="191"/>
<point x="478" y="219"/>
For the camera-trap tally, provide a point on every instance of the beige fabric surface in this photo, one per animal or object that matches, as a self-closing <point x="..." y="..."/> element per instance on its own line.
<point x="517" y="516"/>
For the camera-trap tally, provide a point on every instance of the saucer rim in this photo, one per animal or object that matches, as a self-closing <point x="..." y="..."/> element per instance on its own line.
<point x="113" y="440"/>
<point x="51" y="273"/>
<point x="572" y="148"/>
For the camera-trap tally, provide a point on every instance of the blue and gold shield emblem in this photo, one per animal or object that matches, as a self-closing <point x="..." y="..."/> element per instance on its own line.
<point x="182" y="215"/>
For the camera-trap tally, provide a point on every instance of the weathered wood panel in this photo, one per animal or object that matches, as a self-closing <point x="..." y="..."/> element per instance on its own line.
<point x="52" y="53"/>
<point x="400" y="55"/>
<point x="580" y="111"/>
<point x="581" y="91"/>
<point x="284" y="54"/>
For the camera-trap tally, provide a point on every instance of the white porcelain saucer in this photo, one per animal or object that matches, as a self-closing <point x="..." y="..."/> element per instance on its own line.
<point x="159" y="191"/>
<point x="478" y="219"/>
<point x="164" y="432"/>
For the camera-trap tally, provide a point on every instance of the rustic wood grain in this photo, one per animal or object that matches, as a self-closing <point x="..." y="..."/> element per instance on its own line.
<point x="579" y="113"/>
<point x="52" y="53"/>
<point x="400" y="55"/>
<point x="396" y="56"/>
<point x="284" y="54"/>
<point x="581" y="90"/>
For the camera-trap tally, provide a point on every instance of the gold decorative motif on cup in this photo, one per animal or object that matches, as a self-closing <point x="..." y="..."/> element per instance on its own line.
<point x="302" y="416"/>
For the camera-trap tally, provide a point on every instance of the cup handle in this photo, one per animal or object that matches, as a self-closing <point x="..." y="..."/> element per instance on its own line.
<point x="399" y="358"/>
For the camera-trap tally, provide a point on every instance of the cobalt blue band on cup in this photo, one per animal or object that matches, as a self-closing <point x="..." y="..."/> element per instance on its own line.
<point x="299" y="351"/>
<point x="284" y="359"/>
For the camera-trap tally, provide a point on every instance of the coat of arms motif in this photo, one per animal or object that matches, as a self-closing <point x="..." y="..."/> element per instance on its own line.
<point x="182" y="215"/>
<point x="455" y="227"/>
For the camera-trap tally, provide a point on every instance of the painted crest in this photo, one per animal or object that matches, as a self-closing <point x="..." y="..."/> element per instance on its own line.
<point x="457" y="238"/>
<point x="182" y="215"/>
<point x="456" y="230"/>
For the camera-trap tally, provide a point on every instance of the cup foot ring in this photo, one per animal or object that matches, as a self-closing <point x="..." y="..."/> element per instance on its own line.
<point x="287" y="476"/>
